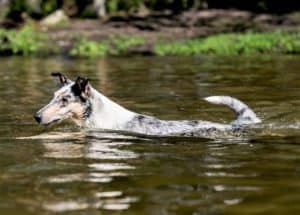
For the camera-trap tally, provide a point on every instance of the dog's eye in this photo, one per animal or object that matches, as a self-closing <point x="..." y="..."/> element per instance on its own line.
<point x="64" y="100"/>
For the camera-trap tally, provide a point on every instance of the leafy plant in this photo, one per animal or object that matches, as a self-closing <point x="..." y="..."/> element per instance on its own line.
<point x="115" y="45"/>
<point x="85" y="48"/>
<point x="25" y="41"/>
<point x="121" y="44"/>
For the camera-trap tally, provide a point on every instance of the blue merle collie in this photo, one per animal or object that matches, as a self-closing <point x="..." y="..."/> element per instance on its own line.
<point x="89" y="108"/>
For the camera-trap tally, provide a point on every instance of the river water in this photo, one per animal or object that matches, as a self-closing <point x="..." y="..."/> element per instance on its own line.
<point x="62" y="169"/>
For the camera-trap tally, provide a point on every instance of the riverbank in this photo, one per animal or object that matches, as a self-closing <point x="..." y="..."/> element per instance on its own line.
<point x="190" y="33"/>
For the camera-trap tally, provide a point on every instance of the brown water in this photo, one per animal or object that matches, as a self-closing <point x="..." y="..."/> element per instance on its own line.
<point x="67" y="171"/>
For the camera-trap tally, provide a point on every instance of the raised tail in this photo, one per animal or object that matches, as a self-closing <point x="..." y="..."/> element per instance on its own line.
<point x="245" y="115"/>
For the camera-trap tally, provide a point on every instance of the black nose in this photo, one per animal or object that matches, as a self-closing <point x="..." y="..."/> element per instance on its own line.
<point x="37" y="117"/>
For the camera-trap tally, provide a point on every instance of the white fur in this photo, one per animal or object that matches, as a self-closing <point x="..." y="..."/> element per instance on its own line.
<point x="244" y="113"/>
<point x="107" y="114"/>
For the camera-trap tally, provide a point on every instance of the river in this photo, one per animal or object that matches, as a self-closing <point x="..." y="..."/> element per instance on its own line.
<point x="63" y="169"/>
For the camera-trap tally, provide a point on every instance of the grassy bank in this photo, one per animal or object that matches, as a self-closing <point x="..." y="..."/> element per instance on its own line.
<point x="222" y="44"/>
<point x="28" y="41"/>
<point x="115" y="45"/>
<point x="234" y="44"/>
<point x="25" y="41"/>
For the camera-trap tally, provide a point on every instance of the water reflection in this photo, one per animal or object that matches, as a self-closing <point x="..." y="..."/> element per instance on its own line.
<point x="111" y="202"/>
<point x="100" y="161"/>
<point x="95" y="149"/>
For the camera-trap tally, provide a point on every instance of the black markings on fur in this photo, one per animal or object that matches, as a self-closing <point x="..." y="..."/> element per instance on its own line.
<point x="151" y="125"/>
<point x="77" y="92"/>
<point x="79" y="87"/>
<point x="212" y="129"/>
<point x="140" y="117"/>
<point x="242" y="111"/>
<point x="63" y="79"/>
<point x="193" y="123"/>
<point x="147" y="120"/>
<point x="141" y="120"/>
<point x="88" y="111"/>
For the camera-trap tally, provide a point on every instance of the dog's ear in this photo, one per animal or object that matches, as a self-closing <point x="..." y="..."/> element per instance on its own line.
<point x="82" y="87"/>
<point x="62" y="78"/>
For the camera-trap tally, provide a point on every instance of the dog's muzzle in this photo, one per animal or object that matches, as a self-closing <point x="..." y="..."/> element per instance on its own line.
<point x="38" y="117"/>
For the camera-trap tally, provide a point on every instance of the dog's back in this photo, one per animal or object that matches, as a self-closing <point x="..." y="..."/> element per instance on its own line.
<point x="153" y="126"/>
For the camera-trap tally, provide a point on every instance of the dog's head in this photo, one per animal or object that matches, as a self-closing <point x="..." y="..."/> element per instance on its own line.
<point x="71" y="101"/>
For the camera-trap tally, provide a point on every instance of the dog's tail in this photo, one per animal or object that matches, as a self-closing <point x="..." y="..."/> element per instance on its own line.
<point x="244" y="114"/>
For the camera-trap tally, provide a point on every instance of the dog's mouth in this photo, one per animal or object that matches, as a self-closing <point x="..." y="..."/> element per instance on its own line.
<point x="49" y="123"/>
<point x="52" y="122"/>
<point x="57" y="120"/>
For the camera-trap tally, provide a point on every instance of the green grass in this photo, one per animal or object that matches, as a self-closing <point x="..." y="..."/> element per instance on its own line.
<point x="234" y="44"/>
<point x="115" y="45"/>
<point x="89" y="49"/>
<point x="25" y="41"/>
<point x="121" y="44"/>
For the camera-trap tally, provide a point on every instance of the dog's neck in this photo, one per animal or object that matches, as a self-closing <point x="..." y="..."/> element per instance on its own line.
<point x="106" y="114"/>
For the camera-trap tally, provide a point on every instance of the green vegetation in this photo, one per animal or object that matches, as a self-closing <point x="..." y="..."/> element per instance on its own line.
<point x="234" y="44"/>
<point x="174" y="5"/>
<point x="28" y="41"/>
<point x="121" y="44"/>
<point x="223" y="44"/>
<point x="115" y="45"/>
<point x="91" y="49"/>
<point x="22" y="42"/>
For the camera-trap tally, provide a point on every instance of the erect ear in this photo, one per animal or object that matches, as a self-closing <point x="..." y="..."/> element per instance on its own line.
<point x="81" y="87"/>
<point x="62" y="78"/>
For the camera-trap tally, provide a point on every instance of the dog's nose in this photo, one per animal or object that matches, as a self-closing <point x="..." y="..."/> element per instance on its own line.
<point x="38" y="117"/>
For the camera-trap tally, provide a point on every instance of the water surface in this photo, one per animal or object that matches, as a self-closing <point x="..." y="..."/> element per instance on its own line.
<point x="62" y="169"/>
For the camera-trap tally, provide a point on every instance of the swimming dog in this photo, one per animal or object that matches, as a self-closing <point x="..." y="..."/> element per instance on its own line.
<point x="88" y="108"/>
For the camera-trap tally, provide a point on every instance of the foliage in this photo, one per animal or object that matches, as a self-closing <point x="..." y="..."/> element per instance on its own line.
<point x="234" y="44"/>
<point x="86" y="48"/>
<point x="25" y="41"/>
<point x="118" y="5"/>
<point x="121" y="44"/>
<point x="79" y="8"/>
<point x="115" y="45"/>
<point x="49" y="6"/>
<point x="175" y="5"/>
<point x="28" y="41"/>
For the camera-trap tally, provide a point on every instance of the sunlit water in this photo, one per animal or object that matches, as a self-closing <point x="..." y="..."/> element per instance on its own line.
<point x="62" y="169"/>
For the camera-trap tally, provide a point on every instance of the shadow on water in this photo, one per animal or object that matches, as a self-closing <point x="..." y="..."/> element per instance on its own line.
<point x="62" y="169"/>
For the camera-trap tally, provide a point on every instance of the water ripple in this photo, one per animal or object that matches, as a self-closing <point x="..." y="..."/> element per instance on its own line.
<point x="100" y="201"/>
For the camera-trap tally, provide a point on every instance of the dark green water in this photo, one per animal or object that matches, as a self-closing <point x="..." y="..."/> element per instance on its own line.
<point x="67" y="171"/>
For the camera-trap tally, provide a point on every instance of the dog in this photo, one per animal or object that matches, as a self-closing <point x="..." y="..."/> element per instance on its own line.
<point x="88" y="108"/>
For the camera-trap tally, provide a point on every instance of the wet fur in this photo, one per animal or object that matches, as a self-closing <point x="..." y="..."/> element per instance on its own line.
<point x="91" y="109"/>
<point x="151" y="125"/>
